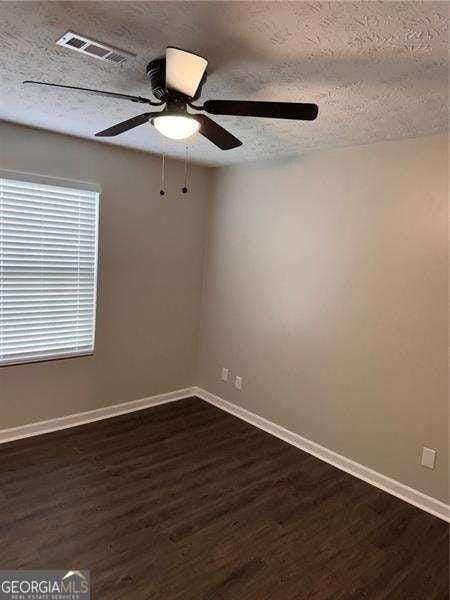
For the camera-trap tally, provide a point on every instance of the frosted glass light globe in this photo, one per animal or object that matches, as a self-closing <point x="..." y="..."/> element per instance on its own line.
<point x="176" y="127"/>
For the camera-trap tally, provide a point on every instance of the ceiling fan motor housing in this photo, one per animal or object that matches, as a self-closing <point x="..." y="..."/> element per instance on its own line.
<point x="156" y="74"/>
<point x="176" y="80"/>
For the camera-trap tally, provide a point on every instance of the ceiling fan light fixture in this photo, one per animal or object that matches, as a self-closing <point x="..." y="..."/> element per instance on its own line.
<point x="176" y="127"/>
<point x="176" y="80"/>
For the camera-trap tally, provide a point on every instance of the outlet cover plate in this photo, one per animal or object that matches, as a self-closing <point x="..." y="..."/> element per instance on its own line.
<point x="428" y="457"/>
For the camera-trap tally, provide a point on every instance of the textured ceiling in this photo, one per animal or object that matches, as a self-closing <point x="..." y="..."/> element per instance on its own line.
<point x="378" y="70"/>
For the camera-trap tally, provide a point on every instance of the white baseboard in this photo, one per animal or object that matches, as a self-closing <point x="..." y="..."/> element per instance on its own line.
<point x="24" y="431"/>
<point x="406" y="493"/>
<point x="426" y="503"/>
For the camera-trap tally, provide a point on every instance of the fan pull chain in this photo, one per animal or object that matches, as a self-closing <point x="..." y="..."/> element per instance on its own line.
<point x="162" y="191"/>
<point x="184" y="189"/>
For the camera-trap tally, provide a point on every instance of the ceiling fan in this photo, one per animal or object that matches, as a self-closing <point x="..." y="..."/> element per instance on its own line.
<point x="177" y="80"/>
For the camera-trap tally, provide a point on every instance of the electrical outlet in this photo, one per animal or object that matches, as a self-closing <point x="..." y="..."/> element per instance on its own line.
<point x="224" y="375"/>
<point x="428" y="458"/>
<point x="238" y="383"/>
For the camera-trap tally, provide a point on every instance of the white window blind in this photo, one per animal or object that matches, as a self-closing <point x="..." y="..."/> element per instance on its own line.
<point x="48" y="270"/>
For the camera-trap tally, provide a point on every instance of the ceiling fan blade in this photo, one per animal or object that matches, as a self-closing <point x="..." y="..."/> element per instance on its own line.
<point x="274" y="110"/>
<point x="216" y="134"/>
<point x="125" y="125"/>
<point x="184" y="71"/>
<point x="99" y="92"/>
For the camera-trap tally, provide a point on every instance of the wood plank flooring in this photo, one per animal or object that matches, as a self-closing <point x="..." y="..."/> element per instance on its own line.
<point x="186" y="502"/>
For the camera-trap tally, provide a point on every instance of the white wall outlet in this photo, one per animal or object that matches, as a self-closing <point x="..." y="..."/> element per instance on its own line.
<point x="224" y="375"/>
<point x="238" y="383"/>
<point x="428" y="458"/>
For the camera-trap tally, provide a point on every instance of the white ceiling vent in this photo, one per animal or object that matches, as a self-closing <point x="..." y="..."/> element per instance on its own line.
<point x="85" y="45"/>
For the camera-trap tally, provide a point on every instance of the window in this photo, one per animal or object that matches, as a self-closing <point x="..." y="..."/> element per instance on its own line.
<point x="48" y="268"/>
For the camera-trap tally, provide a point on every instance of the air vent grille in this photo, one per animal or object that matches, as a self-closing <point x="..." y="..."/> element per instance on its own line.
<point x="96" y="50"/>
<point x="114" y="57"/>
<point x="93" y="48"/>
<point x="76" y="42"/>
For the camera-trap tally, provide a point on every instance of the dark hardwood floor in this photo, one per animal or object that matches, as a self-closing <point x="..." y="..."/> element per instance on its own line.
<point x="185" y="502"/>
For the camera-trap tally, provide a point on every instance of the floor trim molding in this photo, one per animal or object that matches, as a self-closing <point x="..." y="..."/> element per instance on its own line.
<point x="402" y="491"/>
<point x="40" y="427"/>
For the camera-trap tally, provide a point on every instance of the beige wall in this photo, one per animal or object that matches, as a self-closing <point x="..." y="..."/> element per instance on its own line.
<point x="150" y="270"/>
<point x="326" y="290"/>
<point x="325" y="287"/>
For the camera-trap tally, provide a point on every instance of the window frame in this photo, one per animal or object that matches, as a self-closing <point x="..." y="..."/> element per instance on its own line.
<point x="81" y="186"/>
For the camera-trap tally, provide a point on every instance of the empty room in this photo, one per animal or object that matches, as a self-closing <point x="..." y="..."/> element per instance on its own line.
<point x="224" y="300"/>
